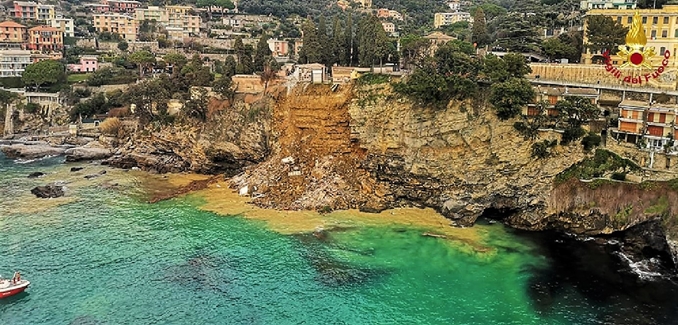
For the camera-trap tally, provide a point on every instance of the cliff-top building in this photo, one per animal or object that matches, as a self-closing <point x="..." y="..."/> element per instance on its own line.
<point x="608" y="4"/>
<point x="660" y="27"/>
<point x="449" y="18"/>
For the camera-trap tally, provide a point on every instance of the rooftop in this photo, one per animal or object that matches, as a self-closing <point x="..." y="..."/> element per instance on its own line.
<point x="10" y="23"/>
<point x="44" y="28"/>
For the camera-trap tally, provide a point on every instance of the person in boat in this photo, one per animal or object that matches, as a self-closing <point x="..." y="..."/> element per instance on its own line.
<point x="16" y="278"/>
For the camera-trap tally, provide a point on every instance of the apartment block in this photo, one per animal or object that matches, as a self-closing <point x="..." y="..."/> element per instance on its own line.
<point x="176" y="19"/>
<point x="280" y="48"/>
<point x="660" y="27"/>
<point x="11" y="32"/>
<point x="122" y="6"/>
<point x="654" y="123"/>
<point x="607" y="4"/>
<point x="30" y="10"/>
<point x="120" y="24"/>
<point x="65" y="25"/>
<point x="45" y="39"/>
<point x="449" y="18"/>
<point x="14" y="62"/>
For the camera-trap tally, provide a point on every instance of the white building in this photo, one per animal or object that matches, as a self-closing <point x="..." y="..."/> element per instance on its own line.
<point x="63" y="24"/>
<point x="454" y="5"/>
<point x="14" y="62"/>
<point x="449" y="18"/>
<point x="608" y="4"/>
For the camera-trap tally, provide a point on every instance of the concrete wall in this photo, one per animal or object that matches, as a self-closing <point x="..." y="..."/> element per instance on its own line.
<point x="596" y="74"/>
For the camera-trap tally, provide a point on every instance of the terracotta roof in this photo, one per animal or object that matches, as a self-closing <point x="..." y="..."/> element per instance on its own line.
<point x="44" y="28"/>
<point x="10" y="23"/>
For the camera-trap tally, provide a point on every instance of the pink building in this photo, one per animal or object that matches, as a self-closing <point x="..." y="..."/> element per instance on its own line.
<point x="87" y="63"/>
<point x="128" y="6"/>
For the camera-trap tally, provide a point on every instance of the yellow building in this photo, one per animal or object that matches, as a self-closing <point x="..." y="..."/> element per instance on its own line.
<point x="660" y="26"/>
<point x="449" y="18"/>
<point x="123" y="25"/>
<point x="177" y="20"/>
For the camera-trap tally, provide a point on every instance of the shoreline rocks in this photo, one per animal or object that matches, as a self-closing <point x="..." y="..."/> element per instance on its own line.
<point x="31" y="151"/>
<point x="48" y="191"/>
<point x="87" y="153"/>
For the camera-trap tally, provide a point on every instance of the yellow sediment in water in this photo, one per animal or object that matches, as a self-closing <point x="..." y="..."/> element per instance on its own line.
<point x="225" y="201"/>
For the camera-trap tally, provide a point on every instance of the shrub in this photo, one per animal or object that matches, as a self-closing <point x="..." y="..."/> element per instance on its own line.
<point x="572" y="134"/>
<point x="32" y="108"/>
<point x="590" y="141"/>
<point x="373" y="79"/>
<point x="618" y="176"/>
<point x="111" y="126"/>
<point x="541" y="150"/>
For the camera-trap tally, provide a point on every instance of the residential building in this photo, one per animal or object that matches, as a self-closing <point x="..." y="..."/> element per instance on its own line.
<point x="660" y="27"/>
<point x="14" y="62"/>
<point x="449" y="18"/>
<point x="437" y="39"/>
<point x="608" y="4"/>
<point x="151" y="13"/>
<point x="116" y="23"/>
<point x="364" y="3"/>
<point x="97" y="7"/>
<point x="122" y="6"/>
<point x="176" y="20"/>
<point x="654" y="123"/>
<point x="387" y="13"/>
<point x="552" y="95"/>
<point x="241" y="21"/>
<point x="454" y="5"/>
<point x="88" y="63"/>
<point x="11" y="32"/>
<point x="45" y="39"/>
<point x="45" y="12"/>
<point x="65" y="25"/>
<point x="280" y="48"/>
<point x="389" y="28"/>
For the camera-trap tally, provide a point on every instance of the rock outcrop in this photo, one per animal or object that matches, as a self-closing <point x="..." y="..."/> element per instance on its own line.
<point x="48" y="191"/>
<point x="31" y="151"/>
<point x="87" y="153"/>
<point x="230" y="139"/>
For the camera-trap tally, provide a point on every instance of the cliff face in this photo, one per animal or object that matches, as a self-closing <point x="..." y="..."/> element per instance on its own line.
<point x="231" y="138"/>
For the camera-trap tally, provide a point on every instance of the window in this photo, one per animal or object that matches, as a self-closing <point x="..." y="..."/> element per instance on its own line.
<point x="655" y="20"/>
<point x="665" y="33"/>
<point x="619" y="20"/>
<point x="653" y="34"/>
<point x="666" y="20"/>
<point x="662" y="50"/>
<point x="675" y="33"/>
<point x="629" y="20"/>
<point x="644" y="20"/>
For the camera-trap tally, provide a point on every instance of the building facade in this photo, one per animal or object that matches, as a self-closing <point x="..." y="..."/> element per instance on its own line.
<point x="280" y="48"/>
<point x="608" y="4"/>
<point x="14" y="62"/>
<point x="650" y="123"/>
<point x="65" y="25"/>
<point x="122" y="6"/>
<point x="45" y="39"/>
<point x="120" y="24"/>
<point x="88" y="63"/>
<point x="660" y="27"/>
<point x="11" y="32"/>
<point x="449" y="18"/>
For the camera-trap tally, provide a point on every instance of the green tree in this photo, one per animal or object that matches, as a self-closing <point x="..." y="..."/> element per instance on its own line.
<point x="239" y="48"/>
<point x="338" y="49"/>
<point x="324" y="41"/>
<point x="414" y="49"/>
<point x="349" y="43"/>
<point x="229" y="66"/>
<point x="176" y="60"/>
<point x="149" y="98"/>
<point x="577" y="110"/>
<point x="196" y="107"/>
<point x="123" y="46"/>
<point x="494" y="69"/>
<point x="604" y="33"/>
<point x="224" y="87"/>
<point x="555" y="48"/>
<point x="372" y="42"/>
<point x="44" y="72"/>
<point x="143" y="59"/>
<point x="479" y="31"/>
<point x="516" y="34"/>
<point x="509" y="97"/>
<point x="262" y="54"/>
<point x="311" y="50"/>
<point x="517" y="65"/>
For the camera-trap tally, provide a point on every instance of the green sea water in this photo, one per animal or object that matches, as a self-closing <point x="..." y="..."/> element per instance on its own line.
<point x="110" y="258"/>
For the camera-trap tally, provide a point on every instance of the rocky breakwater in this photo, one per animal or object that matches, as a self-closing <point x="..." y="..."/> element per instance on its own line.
<point x="232" y="137"/>
<point x="32" y="149"/>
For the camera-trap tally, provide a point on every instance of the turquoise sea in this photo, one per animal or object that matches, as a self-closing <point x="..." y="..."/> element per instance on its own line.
<point x="105" y="256"/>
